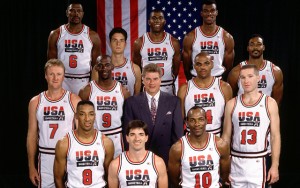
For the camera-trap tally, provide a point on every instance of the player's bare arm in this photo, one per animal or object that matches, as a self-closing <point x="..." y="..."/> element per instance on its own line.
<point x="228" y="54"/>
<point x="224" y="149"/>
<point x="60" y="162"/>
<point x="174" y="164"/>
<point x="277" y="90"/>
<point x="32" y="139"/>
<point x="176" y="58"/>
<point x="52" y="48"/>
<point x="187" y="54"/>
<point x="182" y="94"/>
<point x="138" y="79"/>
<point x="136" y="56"/>
<point x="233" y="79"/>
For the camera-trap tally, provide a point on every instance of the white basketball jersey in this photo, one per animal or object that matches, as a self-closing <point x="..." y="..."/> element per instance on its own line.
<point x="211" y="99"/>
<point x="213" y="45"/>
<point x="160" y="53"/>
<point x="137" y="174"/>
<point x="267" y="78"/>
<point x="85" y="162"/>
<point x="251" y="125"/>
<point x="125" y="74"/>
<point x="55" y="118"/>
<point x="74" y="50"/>
<point x="200" y="166"/>
<point x="109" y="107"/>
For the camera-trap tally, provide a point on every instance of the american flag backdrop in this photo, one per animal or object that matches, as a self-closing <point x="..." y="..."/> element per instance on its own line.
<point x="181" y="17"/>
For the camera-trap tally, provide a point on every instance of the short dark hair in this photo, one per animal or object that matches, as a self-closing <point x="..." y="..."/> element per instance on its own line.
<point x="256" y="35"/>
<point x="84" y="102"/>
<point x="195" y="108"/>
<point x="137" y="124"/>
<point x="209" y="2"/>
<point x="118" y="30"/>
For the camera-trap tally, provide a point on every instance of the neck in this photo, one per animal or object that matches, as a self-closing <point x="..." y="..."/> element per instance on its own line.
<point x="85" y="136"/>
<point x="198" y="141"/>
<point x="259" y="62"/>
<point x="117" y="59"/>
<point x="55" y="94"/>
<point x="136" y="155"/>
<point x="106" y="83"/>
<point x="203" y="82"/>
<point x="156" y="36"/>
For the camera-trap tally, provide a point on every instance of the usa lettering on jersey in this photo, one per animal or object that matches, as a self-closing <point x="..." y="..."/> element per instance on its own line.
<point x="54" y="113"/>
<point x="249" y="119"/>
<point x="87" y="158"/>
<point x="74" y="46"/>
<point x="204" y="100"/>
<point x="107" y="103"/>
<point x="157" y="54"/>
<point x="137" y="177"/>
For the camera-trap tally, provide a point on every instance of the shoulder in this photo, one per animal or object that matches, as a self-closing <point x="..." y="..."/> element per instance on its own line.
<point x="158" y="160"/>
<point x="176" y="148"/>
<point x="235" y="71"/>
<point x="225" y="85"/>
<point x="63" y="143"/>
<point x="226" y="34"/>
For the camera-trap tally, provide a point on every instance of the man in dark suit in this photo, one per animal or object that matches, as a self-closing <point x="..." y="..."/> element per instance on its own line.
<point x="163" y="115"/>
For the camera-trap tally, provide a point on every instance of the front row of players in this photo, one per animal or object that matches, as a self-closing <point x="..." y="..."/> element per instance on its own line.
<point x="86" y="155"/>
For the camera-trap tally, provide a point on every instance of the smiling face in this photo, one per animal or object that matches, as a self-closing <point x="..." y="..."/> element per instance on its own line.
<point x="104" y="67"/>
<point x="196" y="120"/>
<point x="85" y="115"/>
<point x="137" y="139"/>
<point x="157" y="22"/>
<point x="152" y="81"/>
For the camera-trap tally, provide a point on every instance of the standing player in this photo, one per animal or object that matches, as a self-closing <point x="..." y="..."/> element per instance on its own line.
<point x="209" y="38"/>
<point x="206" y="91"/>
<point x="108" y="96"/>
<point x="249" y="118"/>
<point x="137" y="166"/>
<point x="271" y="77"/>
<point x="198" y="157"/>
<point x="159" y="47"/>
<point x="50" y="117"/>
<point x="84" y="154"/>
<point x="77" y="46"/>
<point x="126" y="72"/>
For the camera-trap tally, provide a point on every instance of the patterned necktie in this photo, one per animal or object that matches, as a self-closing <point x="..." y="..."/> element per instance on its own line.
<point x="153" y="109"/>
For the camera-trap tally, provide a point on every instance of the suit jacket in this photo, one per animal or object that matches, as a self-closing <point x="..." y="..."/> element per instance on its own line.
<point x="168" y="127"/>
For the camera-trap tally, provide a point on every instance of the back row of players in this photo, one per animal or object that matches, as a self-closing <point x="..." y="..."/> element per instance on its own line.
<point x="209" y="46"/>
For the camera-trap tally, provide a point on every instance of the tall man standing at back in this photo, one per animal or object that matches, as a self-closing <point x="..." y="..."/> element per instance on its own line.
<point x="271" y="77"/>
<point x="211" y="38"/>
<point x="77" y="46"/>
<point x="159" y="110"/>
<point x="161" y="48"/>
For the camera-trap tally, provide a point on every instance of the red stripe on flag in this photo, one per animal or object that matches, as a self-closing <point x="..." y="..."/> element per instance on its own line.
<point x="101" y="24"/>
<point x="117" y="13"/>
<point x="134" y="21"/>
